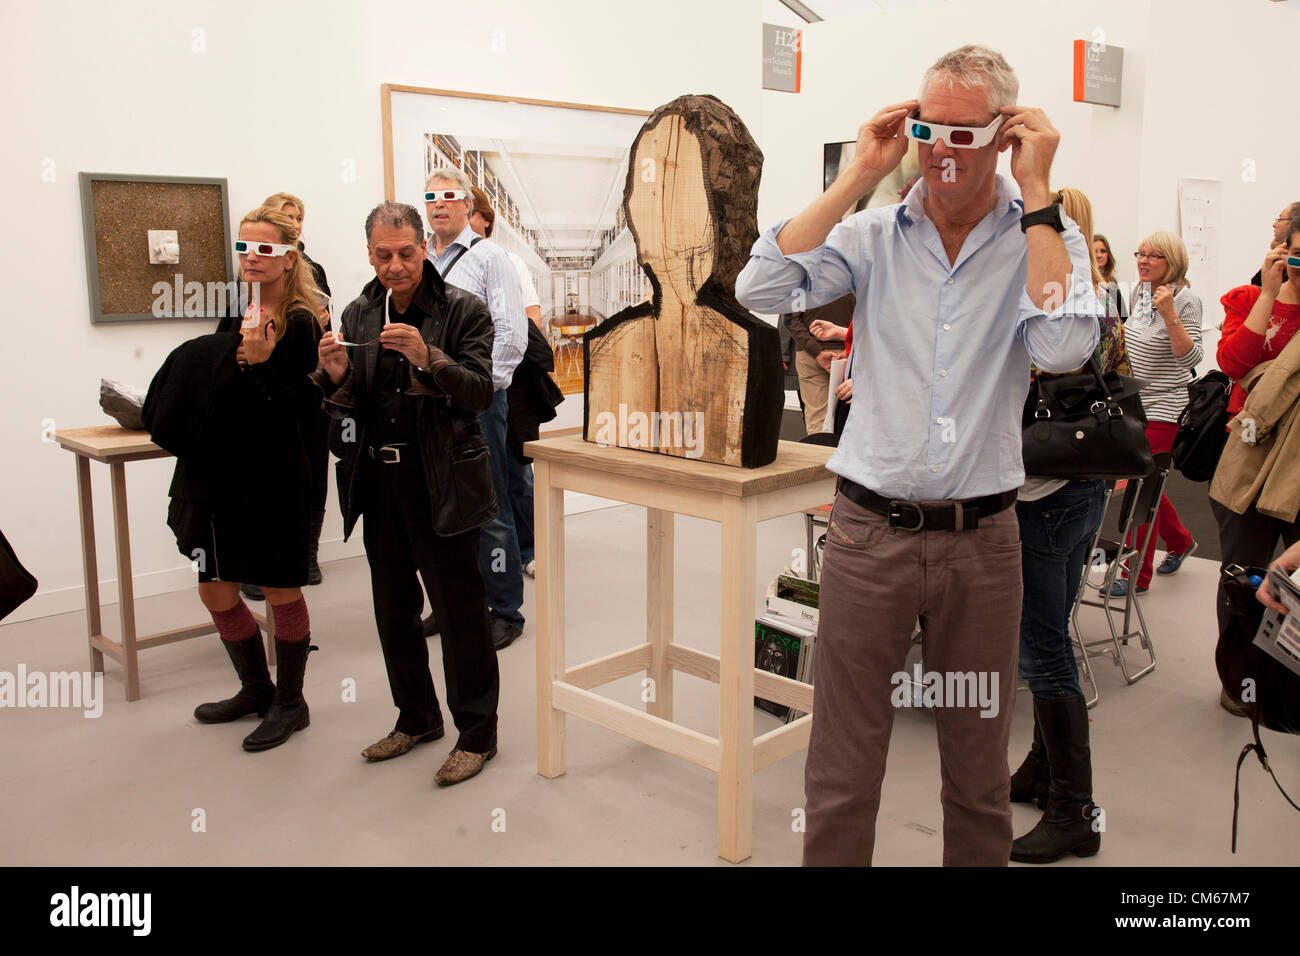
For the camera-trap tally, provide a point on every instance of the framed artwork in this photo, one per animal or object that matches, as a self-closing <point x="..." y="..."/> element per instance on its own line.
<point x="893" y="188"/>
<point x="157" y="247"/>
<point x="554" y="173"/>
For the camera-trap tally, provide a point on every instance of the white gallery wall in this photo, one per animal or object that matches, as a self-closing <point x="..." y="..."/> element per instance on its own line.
<point x="281" y="96"/>
<point x="286" y="96"/>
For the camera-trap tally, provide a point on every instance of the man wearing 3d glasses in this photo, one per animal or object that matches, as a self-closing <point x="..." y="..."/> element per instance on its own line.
<point x="482" y="267"/>
<point x="959" y="288"/>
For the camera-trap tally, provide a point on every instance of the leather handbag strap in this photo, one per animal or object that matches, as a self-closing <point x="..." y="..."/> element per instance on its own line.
<point x="456" y="258"/>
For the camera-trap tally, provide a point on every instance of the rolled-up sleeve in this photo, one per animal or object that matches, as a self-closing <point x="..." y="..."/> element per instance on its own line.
<point x="774" y="282"/>
<point x="1065" y="338"/>
<point x="1189" y="313"/>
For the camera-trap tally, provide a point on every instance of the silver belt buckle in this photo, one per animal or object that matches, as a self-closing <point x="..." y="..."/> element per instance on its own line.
<point x="896" y="512"/>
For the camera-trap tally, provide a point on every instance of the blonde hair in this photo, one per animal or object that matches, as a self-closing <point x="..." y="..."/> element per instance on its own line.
<point x="299" y="284"/>
<point x="278" y="201"/>
<point x="1175" y="253"/>
<point x="1107" y="273"/>
<point x="1077" y="207"/>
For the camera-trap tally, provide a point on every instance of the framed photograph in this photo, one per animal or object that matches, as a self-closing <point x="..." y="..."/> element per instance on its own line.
<point x="554" y="173"/>
<point x="892" y="189"/>
<point x="157" y="247"/>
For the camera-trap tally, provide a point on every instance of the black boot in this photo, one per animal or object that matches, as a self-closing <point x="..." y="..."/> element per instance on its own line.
<point x="1029" y="783"/>
<point x="1072" y="822"/>
<point x="313" y="547"/>
<point x="288" y="711"/>
<point x="254" y="697"/>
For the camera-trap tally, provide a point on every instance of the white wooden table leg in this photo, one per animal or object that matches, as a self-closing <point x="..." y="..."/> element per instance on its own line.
<point x="736" y="687"/>
<point x="659" y="608"/>
<point x="125" y="586"/>
<point x="89" y="562"/>
<point x="548" y="529"/>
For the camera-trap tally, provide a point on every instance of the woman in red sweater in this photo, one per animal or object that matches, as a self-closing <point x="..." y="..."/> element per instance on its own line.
<point x="1260" y="322"/>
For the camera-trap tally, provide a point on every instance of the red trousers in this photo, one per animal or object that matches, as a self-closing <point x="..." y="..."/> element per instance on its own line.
<point x="1169" y="528"/>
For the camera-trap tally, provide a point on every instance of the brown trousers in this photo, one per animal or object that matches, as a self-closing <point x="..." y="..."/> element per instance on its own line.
<point x="965" y="588"/>
<point x="814" y="388"/>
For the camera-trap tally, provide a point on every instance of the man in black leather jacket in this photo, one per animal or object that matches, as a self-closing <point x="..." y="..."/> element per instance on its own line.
<point x="405" y="385"/>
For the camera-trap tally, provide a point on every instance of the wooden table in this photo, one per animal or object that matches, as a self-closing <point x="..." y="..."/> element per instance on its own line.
<point x="665" y="486"/>
<point x="115" y="446"/>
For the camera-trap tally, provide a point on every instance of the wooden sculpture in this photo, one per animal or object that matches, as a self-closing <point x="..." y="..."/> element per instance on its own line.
<point x="690" y="373"/>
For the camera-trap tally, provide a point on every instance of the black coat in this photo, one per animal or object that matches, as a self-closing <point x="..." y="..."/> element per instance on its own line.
<point x="533" y="395"/>
<point x="242" y="472"/>
<point x="454" y="453"/>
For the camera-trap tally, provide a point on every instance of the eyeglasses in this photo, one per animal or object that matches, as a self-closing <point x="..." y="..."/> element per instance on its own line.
<point x="961" y="137"/>
<point x="1147" y="255"/>
<point x="243" y="247"/>
<point x="446" y="195"/>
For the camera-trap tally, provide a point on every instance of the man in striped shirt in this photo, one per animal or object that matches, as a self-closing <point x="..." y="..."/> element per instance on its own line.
<point x="483" y="268"/>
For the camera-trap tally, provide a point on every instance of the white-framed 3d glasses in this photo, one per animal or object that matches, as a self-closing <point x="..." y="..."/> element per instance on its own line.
<point x="958" y="137"/>
<point x="244" y="246"/>
<point x="445" y="195"/>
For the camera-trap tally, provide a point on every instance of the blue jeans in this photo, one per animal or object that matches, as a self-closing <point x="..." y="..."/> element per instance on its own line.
<point x="521" y="504"/>
<point x="1054" y="535"/>
<point x="498" y="552"/>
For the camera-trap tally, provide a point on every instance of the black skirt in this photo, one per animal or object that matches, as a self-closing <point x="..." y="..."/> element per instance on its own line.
<point x="261" y="541"/>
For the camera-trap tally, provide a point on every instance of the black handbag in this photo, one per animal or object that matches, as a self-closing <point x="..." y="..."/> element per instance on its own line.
<point x="16" y="582"/>
<point x="1086" y="426"/>
<point x="1203" y="426"/>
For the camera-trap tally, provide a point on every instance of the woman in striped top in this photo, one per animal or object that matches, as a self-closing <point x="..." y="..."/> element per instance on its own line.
<point x="1163" y="335"/>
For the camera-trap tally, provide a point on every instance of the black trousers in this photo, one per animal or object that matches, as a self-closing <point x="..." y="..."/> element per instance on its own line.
<point x="400" y="542"/>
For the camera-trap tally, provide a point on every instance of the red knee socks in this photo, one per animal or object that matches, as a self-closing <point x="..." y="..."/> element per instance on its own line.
<point x="291" y="621"/>
<point x="236" y="624"/>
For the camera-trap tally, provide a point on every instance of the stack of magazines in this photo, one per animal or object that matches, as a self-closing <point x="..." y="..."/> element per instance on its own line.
<point x="784" y="636"/>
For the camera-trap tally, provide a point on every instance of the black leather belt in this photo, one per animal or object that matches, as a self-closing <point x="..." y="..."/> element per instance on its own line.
<point x="908" y="516"/>
<point x="388" y="454"/>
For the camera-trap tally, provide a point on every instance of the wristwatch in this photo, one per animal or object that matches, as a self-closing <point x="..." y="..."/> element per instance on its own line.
<point x="1047" y="216"/>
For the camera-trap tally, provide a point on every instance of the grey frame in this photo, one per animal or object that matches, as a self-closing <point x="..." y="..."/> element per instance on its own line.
<point x="84" y="179"/>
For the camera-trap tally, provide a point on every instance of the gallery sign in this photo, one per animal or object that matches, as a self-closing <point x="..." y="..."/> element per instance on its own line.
<point x="782" y="58"/>
<point x="1098" y="72"/>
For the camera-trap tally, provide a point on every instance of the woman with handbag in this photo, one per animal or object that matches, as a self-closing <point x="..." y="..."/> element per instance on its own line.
<point x="241" y="495"/>
<point x="1260" y="321"/>
<point x="1058" y="517"/>
<point x="1164" y="344"/>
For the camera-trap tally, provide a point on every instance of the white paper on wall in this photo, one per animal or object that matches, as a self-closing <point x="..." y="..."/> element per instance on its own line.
<point x="1200" y="212"/>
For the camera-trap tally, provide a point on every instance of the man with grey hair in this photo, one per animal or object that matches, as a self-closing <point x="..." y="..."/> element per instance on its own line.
<point x="959" y="288"/>
<point x="480" y="266"/>
<point x="405" y="379"/>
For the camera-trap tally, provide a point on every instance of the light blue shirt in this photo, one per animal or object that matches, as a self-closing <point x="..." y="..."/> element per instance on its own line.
<point x="941" y="353"/>
<point x="486" y="271"/>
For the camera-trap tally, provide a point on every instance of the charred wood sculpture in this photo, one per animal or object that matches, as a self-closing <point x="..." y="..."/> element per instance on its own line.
<point x="690" y="373"/>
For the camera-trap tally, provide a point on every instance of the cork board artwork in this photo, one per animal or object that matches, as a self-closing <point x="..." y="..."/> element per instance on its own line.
<point x="691" y="373"/>
<point x="129" y="220"/>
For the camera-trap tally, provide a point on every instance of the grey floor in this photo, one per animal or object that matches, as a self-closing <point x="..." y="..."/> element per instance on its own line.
<point x="146" y="784"/>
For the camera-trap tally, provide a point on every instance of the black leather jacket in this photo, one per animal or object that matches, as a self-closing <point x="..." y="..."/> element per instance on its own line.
<point x="457" y="467"/>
